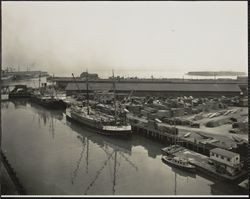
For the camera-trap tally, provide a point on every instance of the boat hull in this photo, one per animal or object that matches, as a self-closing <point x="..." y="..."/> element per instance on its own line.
<point x="19" y="95"/>
<point x="50" y="104"/>
<point x="169" y="162"/>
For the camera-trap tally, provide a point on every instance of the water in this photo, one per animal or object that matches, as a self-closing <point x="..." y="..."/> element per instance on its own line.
<point x="54" y="156"/>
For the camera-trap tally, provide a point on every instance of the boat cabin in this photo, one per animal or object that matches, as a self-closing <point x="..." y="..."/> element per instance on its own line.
<point x="180" y="161"/>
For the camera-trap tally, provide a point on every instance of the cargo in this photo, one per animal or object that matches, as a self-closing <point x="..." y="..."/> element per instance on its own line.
<point x="163" y="113"/>
<point x="158" y="106"/>
<point x="150" y="109"/>
<point x="134" y="108"/>
<point x="144" y="113"/>
<point x="176" y="112"/>
<point x="195" y="125"/>
<point x="152" y="116"/>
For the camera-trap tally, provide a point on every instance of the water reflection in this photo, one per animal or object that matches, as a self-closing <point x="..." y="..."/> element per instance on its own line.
<point x="183" y="173"/>
<point x="227" y="189"/>
<point x="67" y="158"/>
<point x="113" y="150"/>
<point x="19" y="103"/>
<point x="5" y="104"/>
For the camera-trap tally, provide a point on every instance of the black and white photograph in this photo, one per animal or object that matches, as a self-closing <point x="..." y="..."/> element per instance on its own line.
<point x="124" y="98"/>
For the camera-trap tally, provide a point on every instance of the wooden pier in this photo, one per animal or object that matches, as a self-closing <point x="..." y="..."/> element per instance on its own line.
<point x="12" y="175"/>
<point x="167" y="138"/>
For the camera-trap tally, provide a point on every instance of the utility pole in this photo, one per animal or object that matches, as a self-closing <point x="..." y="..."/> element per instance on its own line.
<point x="114" y="90"/>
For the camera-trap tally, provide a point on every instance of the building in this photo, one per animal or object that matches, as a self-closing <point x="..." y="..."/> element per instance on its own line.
<point x="158" y="89"/>
<point x="91" y="76"/>
<point x="226" y="162"/>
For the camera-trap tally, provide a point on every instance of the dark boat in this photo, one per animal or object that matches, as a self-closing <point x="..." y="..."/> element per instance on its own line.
<point x="179" y="163"/>
<point x="48" y="100"/>
<point x="20" y="91"/>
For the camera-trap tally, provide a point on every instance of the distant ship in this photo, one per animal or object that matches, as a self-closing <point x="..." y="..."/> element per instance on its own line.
<point x="113" y="125"/>
<point x="49" y="98"/>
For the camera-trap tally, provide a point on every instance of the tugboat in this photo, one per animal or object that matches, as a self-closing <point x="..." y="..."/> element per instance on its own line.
<point x="113" y="125"/>
<point x="179" y="163"/>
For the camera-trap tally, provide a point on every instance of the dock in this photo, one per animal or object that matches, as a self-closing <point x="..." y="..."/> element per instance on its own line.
<point x="201" y="162"/>
<point x="12" y="174"/>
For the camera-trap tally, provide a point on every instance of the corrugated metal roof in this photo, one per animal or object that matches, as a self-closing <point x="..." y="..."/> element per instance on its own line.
<point x="156" y="87"/>
<point x="224" y="152"/>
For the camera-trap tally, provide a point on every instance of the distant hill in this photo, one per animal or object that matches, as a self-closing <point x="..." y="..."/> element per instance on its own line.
<point x="215" y="73"/>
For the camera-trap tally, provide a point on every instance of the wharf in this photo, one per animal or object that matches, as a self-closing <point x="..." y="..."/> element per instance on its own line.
<point x="12" y="174"/>
<point x="7" y="185"/>
<point x="194" y="142"/>
<point x="199" y="141"/>
<point x="201" y="162"/>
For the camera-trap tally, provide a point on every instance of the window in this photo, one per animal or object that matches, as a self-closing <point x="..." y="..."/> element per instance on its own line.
<point x="217" y="155"/>
<point x="228" y="159"/>
<point x="237" y="158"/>
<point x="222" y="157"/>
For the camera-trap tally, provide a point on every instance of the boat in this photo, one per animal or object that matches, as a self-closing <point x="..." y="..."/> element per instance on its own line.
<point x="20" y="91"/>
<point x="5" y="93"/>
<point x="179" y="162"/>
<point x="104" y="123"/>
<point x="47" y="97"/>
<point x="170" y="150"/>
<point x="48" y="101"/>
<point x="4" y="97"/>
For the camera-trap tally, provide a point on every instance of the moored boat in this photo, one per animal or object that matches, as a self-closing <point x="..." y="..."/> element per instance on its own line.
<point x="114" y="125"/>
<point x="4" y="97"/>
<point x="179" y="162"/>
<point x="48" y="100"/>
<point x="103" y="123"/>
<point x="170" y="150"/>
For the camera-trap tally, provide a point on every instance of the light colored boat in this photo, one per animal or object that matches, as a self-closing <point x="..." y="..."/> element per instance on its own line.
<point x="4" y="97"/>
<point x="104" y="123"/>
<point x="179" y="162"/>
<point x="172" y="149"/>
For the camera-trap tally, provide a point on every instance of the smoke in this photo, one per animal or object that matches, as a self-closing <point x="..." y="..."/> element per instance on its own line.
<point x="66" y="37"/>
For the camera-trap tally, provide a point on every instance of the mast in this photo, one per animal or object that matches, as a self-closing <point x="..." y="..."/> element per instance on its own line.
<point x="39" y="80"/>
<point x="175" y="183"/>
<point x="114" y="180"/>
<point x="87" y="87"/>
<point x="114" y="90"/>
<point x="87" y="155"/>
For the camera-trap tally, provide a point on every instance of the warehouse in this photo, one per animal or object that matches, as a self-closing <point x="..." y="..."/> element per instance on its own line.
<point x="159" y="89"/>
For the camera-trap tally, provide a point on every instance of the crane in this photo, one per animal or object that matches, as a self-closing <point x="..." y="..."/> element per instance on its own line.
<point x="76" y="83"/>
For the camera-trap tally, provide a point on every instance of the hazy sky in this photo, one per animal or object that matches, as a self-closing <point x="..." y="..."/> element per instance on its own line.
<point x="65" y="37"/>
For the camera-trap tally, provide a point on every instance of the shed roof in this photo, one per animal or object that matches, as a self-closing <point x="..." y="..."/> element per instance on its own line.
<point x="156" y="87"/>
<point x="224" y="152"/>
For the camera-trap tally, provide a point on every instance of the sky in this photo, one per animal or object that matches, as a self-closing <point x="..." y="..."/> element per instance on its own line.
<point x="129" y="37"/>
